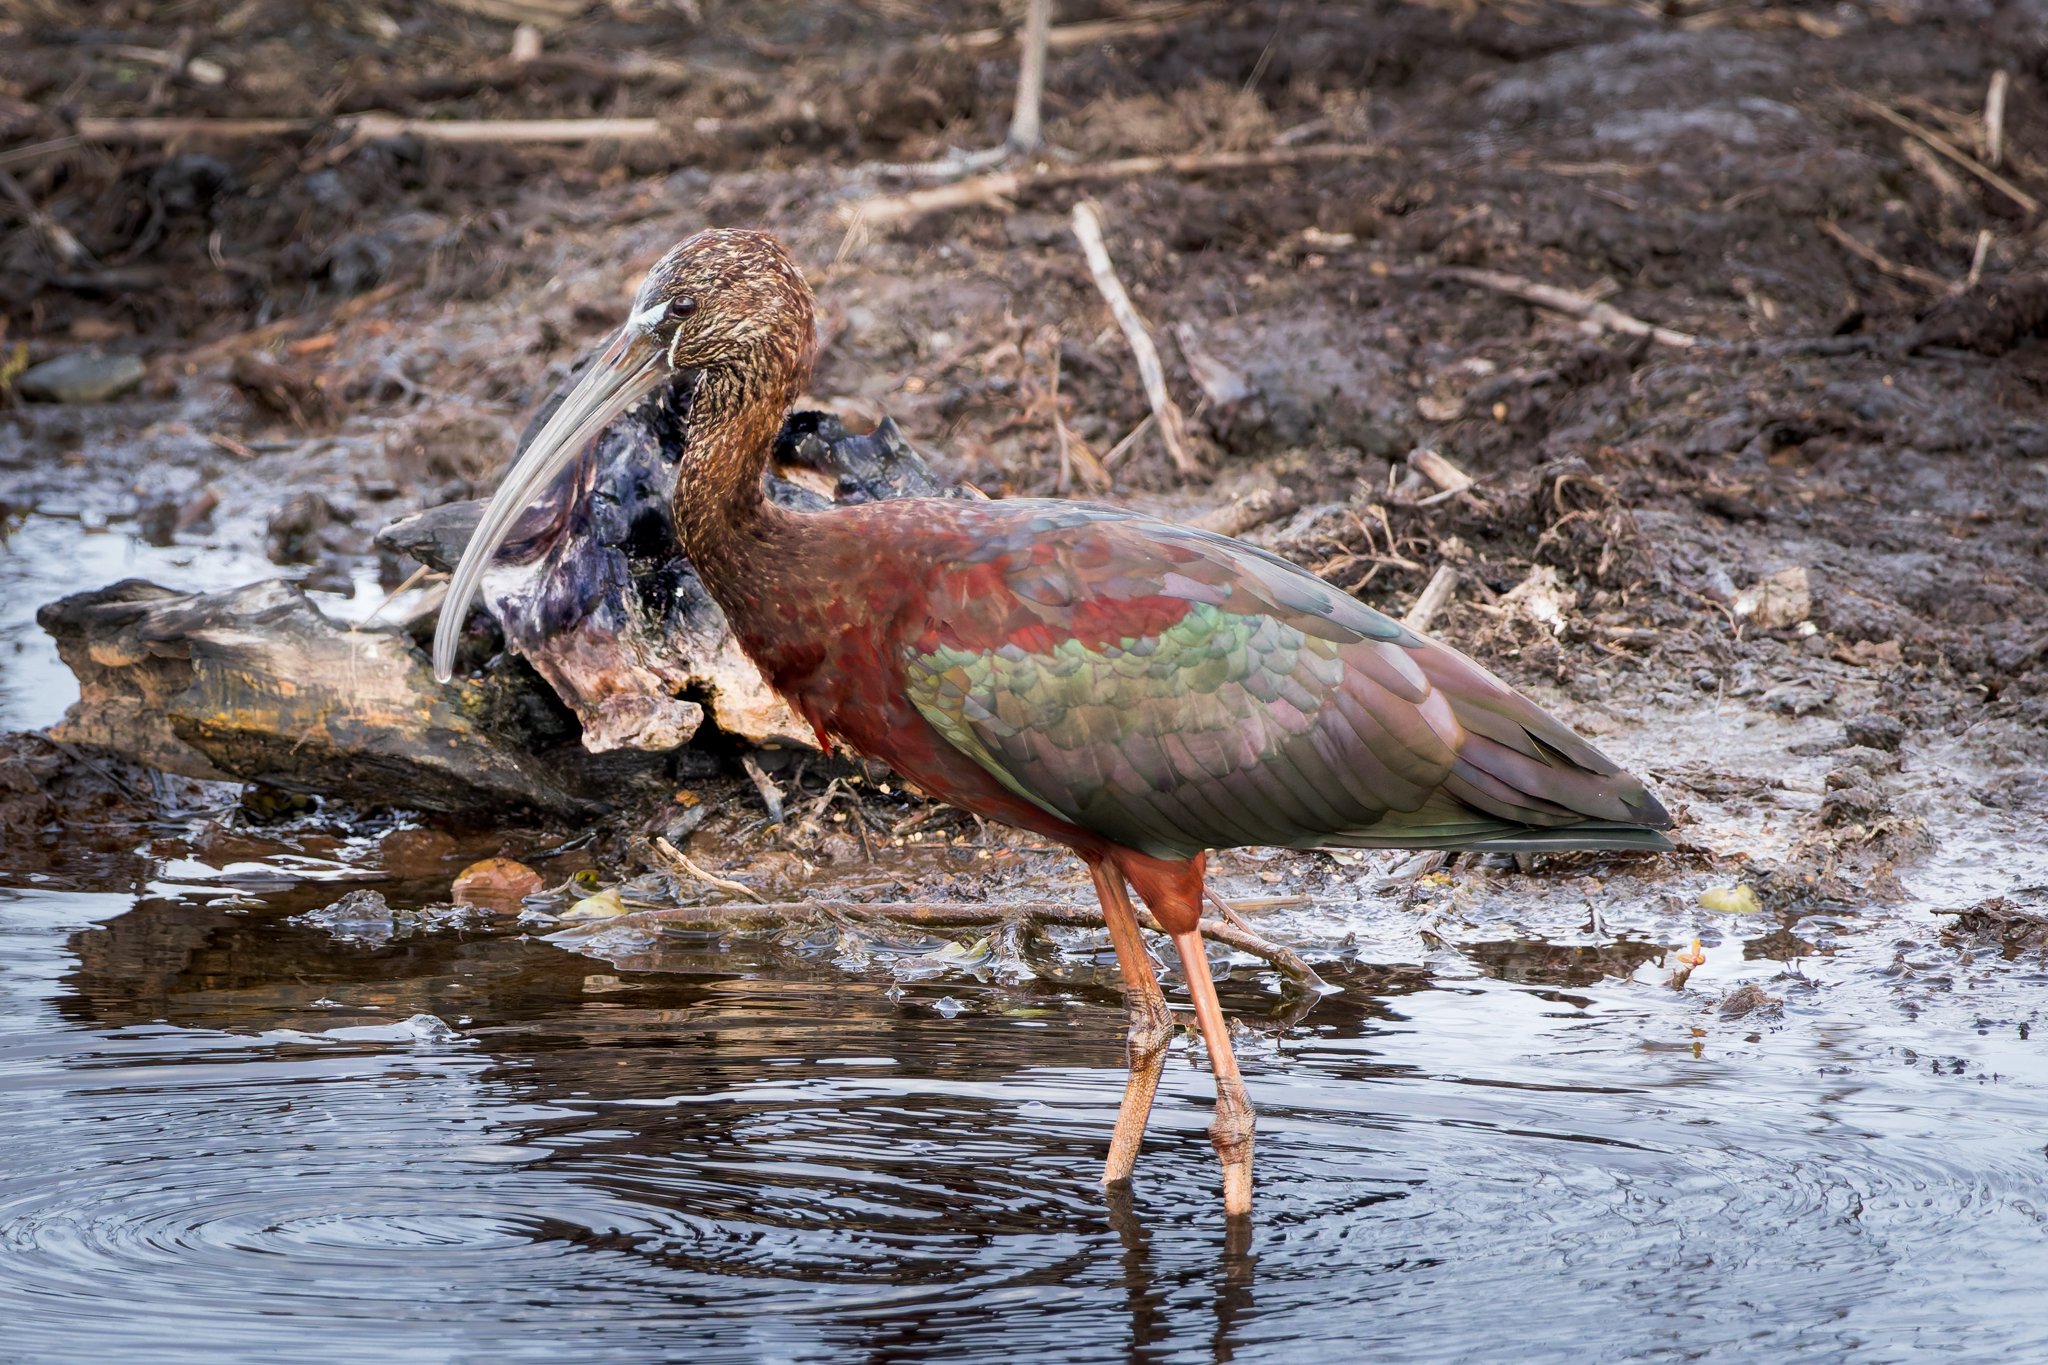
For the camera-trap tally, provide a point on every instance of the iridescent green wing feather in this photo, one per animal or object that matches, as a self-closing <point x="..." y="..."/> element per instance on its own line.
<point x="1173" y="691"/>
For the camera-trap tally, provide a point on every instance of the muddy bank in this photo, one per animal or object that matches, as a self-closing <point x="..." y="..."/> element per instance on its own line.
<point x="1793" y="569"/>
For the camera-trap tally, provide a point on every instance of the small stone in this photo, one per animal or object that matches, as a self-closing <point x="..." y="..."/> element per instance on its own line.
<point x="1852" y="798"/>
<point x="1783" y="599"/>
<point x="81" y="377"/>
<point x="1800" y="697"/>
<point x="1873" y="761"/>
<point x="1875" y="730"/>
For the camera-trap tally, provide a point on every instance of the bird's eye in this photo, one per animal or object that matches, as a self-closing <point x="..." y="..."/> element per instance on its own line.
<point x="678" y="309"/>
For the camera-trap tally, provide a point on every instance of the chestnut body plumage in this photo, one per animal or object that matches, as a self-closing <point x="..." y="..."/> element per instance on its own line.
<point x="1137" y="691"/>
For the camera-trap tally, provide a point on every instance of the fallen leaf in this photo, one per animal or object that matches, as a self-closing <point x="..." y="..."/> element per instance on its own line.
<point x="496" y="883"/>
<point x="1739" y="899"/>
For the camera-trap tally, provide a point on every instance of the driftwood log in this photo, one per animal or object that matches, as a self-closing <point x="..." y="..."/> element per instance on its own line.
<point x="255" y="685"/>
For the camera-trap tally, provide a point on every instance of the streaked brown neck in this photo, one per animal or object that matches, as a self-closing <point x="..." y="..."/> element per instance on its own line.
<point x="742" y="545"/>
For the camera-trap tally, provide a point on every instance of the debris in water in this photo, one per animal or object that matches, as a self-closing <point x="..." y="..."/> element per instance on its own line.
<point x="1748" y="1000"/>
<point x="366" y="917"/>
<point x="358" y="917"/>
<point x="1739" y="899"/>
<point x="606" y="904"/>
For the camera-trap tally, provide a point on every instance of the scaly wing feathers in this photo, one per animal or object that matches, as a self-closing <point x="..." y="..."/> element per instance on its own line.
<point x="1171" y="691"/>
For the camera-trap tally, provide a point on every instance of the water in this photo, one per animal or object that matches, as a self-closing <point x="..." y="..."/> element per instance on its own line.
<point x="228" y="1137"/>
<point x="44" y="557"/>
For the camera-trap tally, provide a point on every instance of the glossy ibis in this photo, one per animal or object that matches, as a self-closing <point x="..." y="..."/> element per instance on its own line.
<point x="1137" y="691"/>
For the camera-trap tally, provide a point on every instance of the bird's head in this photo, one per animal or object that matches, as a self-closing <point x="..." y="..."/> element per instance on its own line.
<point x="724" y="305"/>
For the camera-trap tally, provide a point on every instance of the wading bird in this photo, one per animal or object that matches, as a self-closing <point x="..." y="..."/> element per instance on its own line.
<point x="1137" y="691"/>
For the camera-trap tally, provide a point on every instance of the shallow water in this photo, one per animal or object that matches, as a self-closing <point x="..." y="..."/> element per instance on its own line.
<point x="227" y="1136"/>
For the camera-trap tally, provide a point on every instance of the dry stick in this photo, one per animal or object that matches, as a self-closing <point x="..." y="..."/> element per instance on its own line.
<point x="1896" y="269"/>
<point x="68" y="250"/>
<point x="985" y="191"/>
<point x="1969" y="281"/>
<point x="1130" y="440"/>
<point x="1567" y="301"/>
<point x="37" y="150"/>
<point x="1435" y="596"/>
<point x="1061" y="37"/>
<point x="683" y="863"/>
<point x="1945" y="181"/>
<point x="1025" y="131"/>
<point x="940" y="913"/>
<point x="143" y="130"/>
<point x="1994" y="119"/>
<point x="1172" y="430"/>
<point x="1439" y="471"/>
<point x="771" y="795"/>
<point x="1948" y="149"/>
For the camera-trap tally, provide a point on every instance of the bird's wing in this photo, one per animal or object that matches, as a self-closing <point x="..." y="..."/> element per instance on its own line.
<point x="1172" y="690"/>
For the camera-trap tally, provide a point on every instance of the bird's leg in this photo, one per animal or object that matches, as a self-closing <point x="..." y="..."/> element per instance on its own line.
<point x="1151" y="1026"/>
<point x="1232" y="1130"/>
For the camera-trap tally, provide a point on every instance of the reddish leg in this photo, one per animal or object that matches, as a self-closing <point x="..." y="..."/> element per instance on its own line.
<point x="1151" y="1026"/>
<point x="1174" y="892"/>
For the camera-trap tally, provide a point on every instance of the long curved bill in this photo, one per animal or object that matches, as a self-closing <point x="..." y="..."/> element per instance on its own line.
<point x="630" y="369"/>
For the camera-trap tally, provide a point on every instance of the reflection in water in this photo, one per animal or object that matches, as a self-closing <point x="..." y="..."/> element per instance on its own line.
<point x="222" y="1142"/>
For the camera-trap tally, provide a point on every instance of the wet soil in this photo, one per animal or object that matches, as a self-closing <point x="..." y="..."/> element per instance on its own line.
<point x="1523" y="1098"/>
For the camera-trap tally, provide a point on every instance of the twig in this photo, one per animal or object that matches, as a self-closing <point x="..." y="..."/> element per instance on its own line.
<point x="1433" y="599"/>
<point x="1994" y="119"/>
<point x="1439" y="471"/>
<point x="683" y="863"/>
<point x="412" y="580"/>
<point x="1566" y="301"/>
<point x="361" y="127"/>
<point x="942" y="913"/>
<point x="239" y="449"/>
<point x="1976" y="261"/>
<point x="771" y="795"/>
<point x="1124" y="446"/>
<point x="1025" y="131"/>
<point x="1076" y="459"/>
<point x="1948" y="149"/>
<point x="998" y="187"/>
<point x="68" y="250"/>
<point x="1249" y="512"/>
<point x="36" y="150"/>
<point x="1172" y="428"/>
<point x="546" y="14"/>
<point x="1062" y="37"/>
<point x="1945" y="181"/>
<point x="1896" y="269"/>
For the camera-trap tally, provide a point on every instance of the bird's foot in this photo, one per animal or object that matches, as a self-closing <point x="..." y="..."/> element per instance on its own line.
<point x="1232" y="1133"/>
<point x="1150" y="1030"/>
